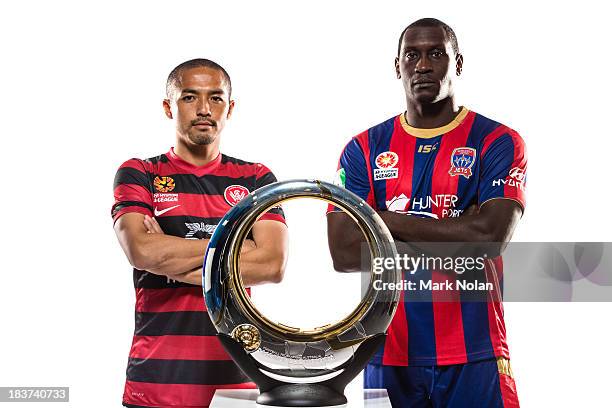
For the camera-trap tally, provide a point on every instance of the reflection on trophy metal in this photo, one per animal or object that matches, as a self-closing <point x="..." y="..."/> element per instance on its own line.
<point x="292" y="366"/>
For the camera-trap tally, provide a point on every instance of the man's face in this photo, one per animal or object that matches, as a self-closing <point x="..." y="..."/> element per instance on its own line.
<point x="427" y="64"/>
<point x="200" y="105"/>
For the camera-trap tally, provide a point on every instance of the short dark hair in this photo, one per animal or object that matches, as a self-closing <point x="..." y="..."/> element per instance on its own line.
<point x="431" y="22"/>
<point x="173" y="78"/>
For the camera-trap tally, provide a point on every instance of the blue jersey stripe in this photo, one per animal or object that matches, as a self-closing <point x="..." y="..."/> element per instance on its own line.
<point x="379" y="139"/>
<point x="466" y="188"/>
<point x="481" y="128"/>
<point x="474" y="313"/>
<point x="422" y="174"/>
<point x="476" y="330"/>
<point x="496" y="164"/>
<point x="355" y="169"/>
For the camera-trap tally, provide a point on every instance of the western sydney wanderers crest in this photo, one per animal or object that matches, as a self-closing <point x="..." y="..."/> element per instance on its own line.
<point x="233" y="194"/>
<point x="387" y="166"/>
<point x="462" y="161"/>
<point x="163" y="184"/>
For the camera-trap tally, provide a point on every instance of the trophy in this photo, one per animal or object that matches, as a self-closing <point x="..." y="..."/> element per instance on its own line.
<point x="295" y="367"/>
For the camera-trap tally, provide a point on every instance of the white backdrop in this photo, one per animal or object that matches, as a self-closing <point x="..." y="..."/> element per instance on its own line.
<point x="82" y="90"/>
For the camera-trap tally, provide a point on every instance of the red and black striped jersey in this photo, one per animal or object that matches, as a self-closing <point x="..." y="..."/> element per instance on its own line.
<point x="439" y="173"/>
<point x="175" y="359"/>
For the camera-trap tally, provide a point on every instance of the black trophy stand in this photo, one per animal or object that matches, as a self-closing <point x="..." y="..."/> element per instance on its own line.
<point x="279" y="393"/>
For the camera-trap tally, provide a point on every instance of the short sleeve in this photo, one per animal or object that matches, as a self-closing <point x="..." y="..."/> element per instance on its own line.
<point x="132" y="190"/>
<point x="264" y="177"/>
<point x="503" y="170"/>
<point x="352" y="173"/>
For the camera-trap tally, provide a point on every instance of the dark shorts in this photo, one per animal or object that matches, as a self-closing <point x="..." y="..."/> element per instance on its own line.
<point x="486" y="383"/>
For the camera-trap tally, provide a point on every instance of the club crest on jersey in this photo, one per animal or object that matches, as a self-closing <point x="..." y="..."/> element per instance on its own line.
<point x="462" y="161"/>
<point x="233" y="194"/>
<point x="387" y="166"/>
<point x="163" y="184"/>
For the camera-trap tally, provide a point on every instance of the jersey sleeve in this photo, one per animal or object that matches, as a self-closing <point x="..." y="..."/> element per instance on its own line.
<point x="352" y="173"/>
<point x="264" y="177"/>
<point x="132" y="190"/>
<point x="503" y="169"/>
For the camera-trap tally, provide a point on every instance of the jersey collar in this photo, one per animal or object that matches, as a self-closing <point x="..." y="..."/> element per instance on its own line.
<point x="192" y="168"/>
<point x="433" y="132"/>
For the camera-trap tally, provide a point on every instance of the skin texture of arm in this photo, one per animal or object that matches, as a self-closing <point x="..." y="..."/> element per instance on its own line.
<point x="493" y="223"/>
<point x="157" y="253"/>
<point x="267" y="261"/>
<point x="262" y="260"/>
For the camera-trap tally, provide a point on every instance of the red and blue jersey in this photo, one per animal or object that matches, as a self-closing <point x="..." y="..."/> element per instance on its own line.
<point x="438" y="173"/>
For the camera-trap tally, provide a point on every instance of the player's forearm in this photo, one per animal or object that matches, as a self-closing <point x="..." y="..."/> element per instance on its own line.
<point x="262" y="265"/>
<point x="469" y="228"/>
<point x="483" y="233"/>
<point x="346" y="257"/>
<point x="167" y="255"/>
<point x="193" y="276"/>
<point x="490" y="227"/>
<point x="257" y="266"/>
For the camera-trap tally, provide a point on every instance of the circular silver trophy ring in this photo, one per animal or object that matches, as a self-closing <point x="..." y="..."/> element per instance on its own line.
<point x="282" y="349"/>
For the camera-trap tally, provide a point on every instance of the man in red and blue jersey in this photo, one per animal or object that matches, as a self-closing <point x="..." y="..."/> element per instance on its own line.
<point x="166" y="208"/>
<point x="438" y="172"/>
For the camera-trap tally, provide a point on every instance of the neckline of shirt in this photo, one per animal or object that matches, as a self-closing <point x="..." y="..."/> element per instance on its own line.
<point x="433" y="132"/>
<point x="173" y="157"/>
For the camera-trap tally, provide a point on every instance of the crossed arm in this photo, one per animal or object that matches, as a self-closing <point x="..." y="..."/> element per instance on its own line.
<point x="262" y="260"/>
<point x="494" y="223"/>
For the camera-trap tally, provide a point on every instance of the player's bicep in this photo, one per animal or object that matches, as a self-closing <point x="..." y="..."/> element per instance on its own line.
<point x="501" y="216"/>
<point x="272" y="235"/>
<point x="339" y="224"/>
<point x="130" y="229"/>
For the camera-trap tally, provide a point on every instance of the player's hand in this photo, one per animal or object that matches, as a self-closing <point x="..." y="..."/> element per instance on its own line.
<point x="152" y="226"/>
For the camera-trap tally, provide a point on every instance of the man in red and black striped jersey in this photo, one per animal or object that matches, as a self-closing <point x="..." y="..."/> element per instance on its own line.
<point x="437" y="172"/>
<point x="166" y="208"/>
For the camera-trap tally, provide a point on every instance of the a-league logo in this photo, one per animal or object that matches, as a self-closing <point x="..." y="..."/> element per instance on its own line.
<point x="387" y="166"/>
<point x="163" y="184"/>
<point x="386" y="160"/>
<point x="462" y="161"/>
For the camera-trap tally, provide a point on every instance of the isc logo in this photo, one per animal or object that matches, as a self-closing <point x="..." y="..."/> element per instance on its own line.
<point x="427" y="148"/>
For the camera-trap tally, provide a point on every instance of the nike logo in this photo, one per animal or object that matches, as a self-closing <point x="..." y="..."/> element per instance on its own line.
<point x="165" y="210"/>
